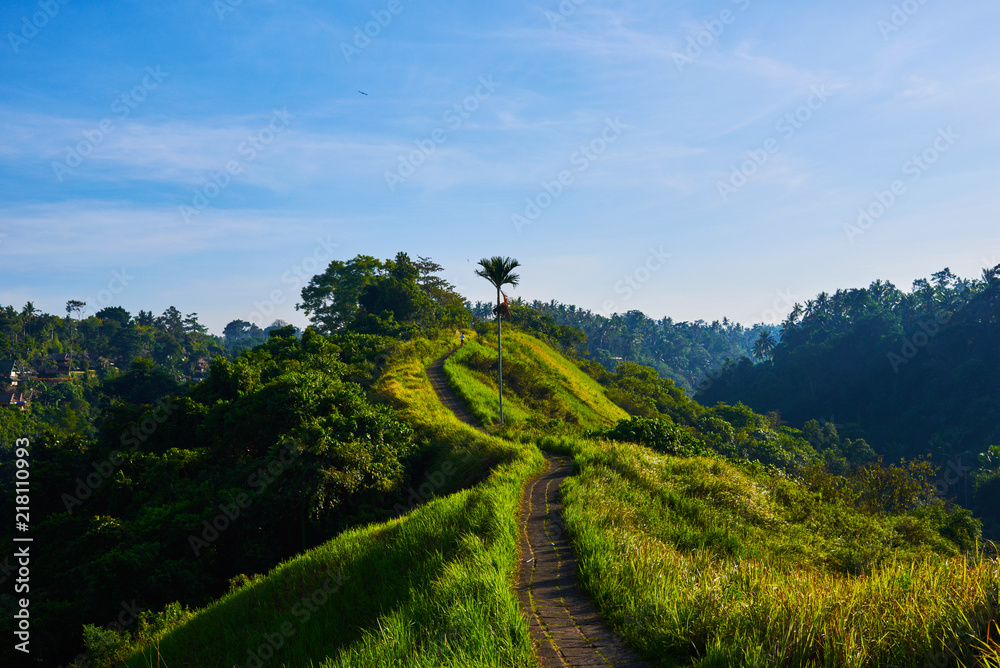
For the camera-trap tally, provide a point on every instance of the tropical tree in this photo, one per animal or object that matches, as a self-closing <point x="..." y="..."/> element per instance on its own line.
<point x="499" y="272"/>
<point x="764" y="345"/>
<point x="74" y="305"/>
<point x="27" y="313"/>
<point x="191" y="324"/>
<point x="331" y="299"/>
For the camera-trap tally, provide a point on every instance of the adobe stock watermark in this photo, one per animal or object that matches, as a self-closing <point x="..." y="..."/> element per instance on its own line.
<point x="363" y="37"/>
<point x="915" y="167"/>
<point x="248" y="150"/>
<point x="580" y="160"/>
<point x="119" y="281"/>
<point x="121" y="107"/>
<point x="709" y="380"/>
<point x="709" y="34"/>
<point x="30" y="27"/>
<point x="913" y="343"/>
<point x="633" y="281"/>
<point x="566" y="9"/>
<point x="900" y="16"/>
<point x="786" y="126"/>
<point x="454" y="117"/>
<point x="296" y="277"/>
<point x="257" y="482"/>
<point x="130" y="439"/>
<point x="954" y="473"/>
<point x="782" y="305"/>
<point x="303" y="609"/>
<point x="225" y="7"/>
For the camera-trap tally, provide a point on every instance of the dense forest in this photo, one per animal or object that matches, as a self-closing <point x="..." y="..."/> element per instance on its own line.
<point x="686" y="352"/>
<point x="913" y="373"/>
<point x="158" y="481"/>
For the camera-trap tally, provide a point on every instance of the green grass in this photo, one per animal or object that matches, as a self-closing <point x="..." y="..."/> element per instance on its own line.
<point x="432" y="588"/>
<point x="479" y="391"/>
<point x="701" y="562"/>
<point x="542" y="389"/>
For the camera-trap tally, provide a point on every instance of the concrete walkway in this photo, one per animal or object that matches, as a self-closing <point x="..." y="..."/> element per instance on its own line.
<point x="566" y="627"/>
<point x="435" y="374"/>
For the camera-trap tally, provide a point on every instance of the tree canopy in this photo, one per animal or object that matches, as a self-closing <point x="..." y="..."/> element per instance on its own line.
<point x="394" y="297"/>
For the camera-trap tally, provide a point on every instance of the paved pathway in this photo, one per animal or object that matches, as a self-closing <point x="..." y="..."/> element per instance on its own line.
<point x="567" y="629"/>
<point x="435" y="373"/>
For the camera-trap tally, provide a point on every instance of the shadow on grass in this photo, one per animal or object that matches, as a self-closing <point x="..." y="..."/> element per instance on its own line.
<point x="317" y="604"/>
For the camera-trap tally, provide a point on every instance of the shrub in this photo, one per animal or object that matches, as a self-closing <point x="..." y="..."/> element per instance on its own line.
<point x="717" y="430"/>
<point x="659" y="435"/>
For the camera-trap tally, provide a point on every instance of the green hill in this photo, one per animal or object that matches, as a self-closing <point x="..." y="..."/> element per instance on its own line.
<point x="715" y="559"/>
<point x="912" y="372"/>
<point x="430" y="588"/>
<point x="542" y="389"/>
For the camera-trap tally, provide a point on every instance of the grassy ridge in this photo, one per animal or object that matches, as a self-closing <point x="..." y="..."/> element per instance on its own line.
<point x="702" y="562"/>
<point x="479" y="390"/>
<point x="542" y="389"/>
<point x="432" y="588"/>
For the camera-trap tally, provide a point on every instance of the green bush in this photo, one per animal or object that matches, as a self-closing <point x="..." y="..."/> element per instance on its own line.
<point x="986" y="500"/>
<point x="659" y="435"/>
<point x="716" y="430"/>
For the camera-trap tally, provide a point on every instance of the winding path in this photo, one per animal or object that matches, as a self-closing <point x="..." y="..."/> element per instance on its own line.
<point x="435" y="374"/>
<point x="567" y="629"/>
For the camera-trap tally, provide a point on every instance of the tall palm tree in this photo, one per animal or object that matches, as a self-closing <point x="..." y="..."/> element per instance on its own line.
<point x="499" y="272"/>
<point x="764" y="345"/>
<point x="27" y="313"/>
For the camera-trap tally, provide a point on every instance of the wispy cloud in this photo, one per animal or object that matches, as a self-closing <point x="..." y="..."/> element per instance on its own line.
<point x="88" y="233"/>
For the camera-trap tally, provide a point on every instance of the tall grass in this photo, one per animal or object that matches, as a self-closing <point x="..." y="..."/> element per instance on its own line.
<point x="479" y="391"/>
<point x="433" y="588"/>
<point x="542" y="389"/>
<point x="700" y="562"/>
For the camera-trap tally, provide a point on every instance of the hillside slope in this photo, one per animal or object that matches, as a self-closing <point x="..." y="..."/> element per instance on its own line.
<point x="429" y="588"/>
<point x="702" y="561"/>
<point x="542" y="388"/>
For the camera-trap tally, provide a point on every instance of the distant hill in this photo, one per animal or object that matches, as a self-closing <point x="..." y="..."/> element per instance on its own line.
<point x="541" y="387"/>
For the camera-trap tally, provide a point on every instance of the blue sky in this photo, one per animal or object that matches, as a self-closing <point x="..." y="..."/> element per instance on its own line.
<point x="691" y="160"/>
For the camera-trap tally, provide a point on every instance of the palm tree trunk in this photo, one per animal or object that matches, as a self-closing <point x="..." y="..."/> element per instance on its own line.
<point x="499" y="356"/>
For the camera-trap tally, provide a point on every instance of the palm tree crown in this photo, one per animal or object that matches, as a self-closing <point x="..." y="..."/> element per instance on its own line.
<point x="498" y="271"/>
<point x="764" y="345"/>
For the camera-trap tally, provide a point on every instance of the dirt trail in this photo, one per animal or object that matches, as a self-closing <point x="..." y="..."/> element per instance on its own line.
<point x="566" y="627"/>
